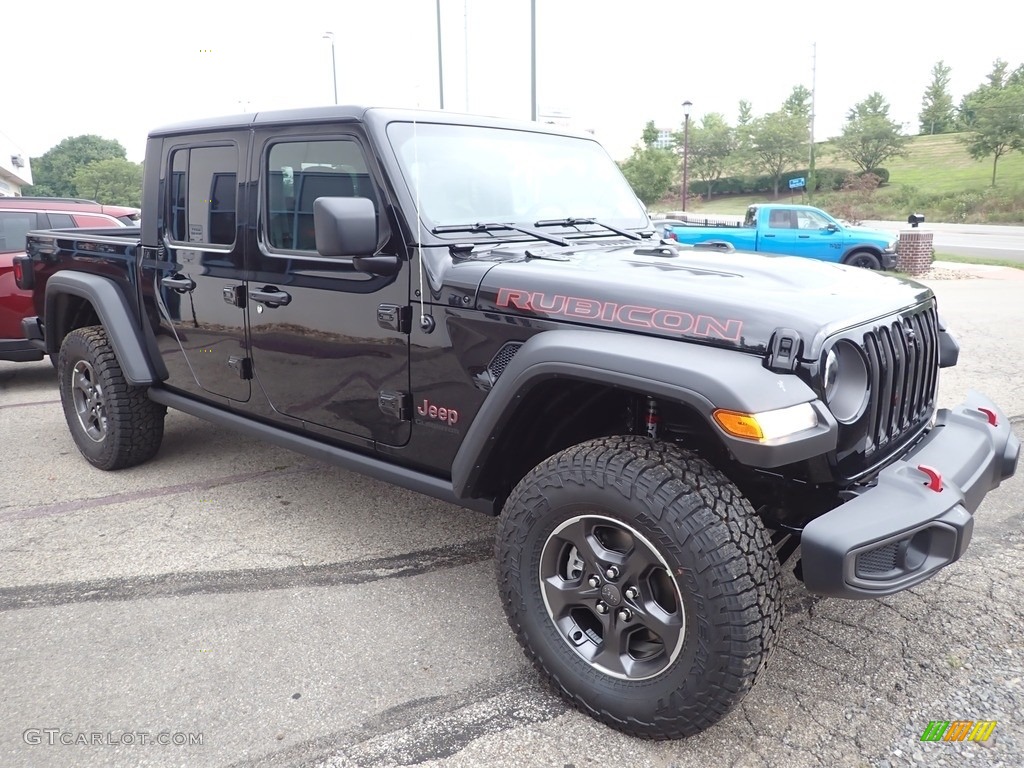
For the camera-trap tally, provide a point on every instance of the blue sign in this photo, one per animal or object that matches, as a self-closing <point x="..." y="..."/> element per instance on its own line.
<point x="797" y="183"/>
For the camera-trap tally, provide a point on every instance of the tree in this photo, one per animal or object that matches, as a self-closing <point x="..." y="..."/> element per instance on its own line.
<point x="650" y="172"/>
<point x="798" y="103"/>
<point x="779" y="142"/>
<point x="997" y="125"/>
<point x="874" y="105"/>
<point x="711" y="144"/>
<point x="55" y="170"/>
<point x="869" y="137"/>
<point x="650" y="135"/>
<point x="114" y="181"/>
<point x="937" y="112"/>
<point x="743" y="138"/>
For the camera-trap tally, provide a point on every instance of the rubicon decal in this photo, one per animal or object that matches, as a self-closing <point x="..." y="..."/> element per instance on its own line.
<point x="632" y="315"/>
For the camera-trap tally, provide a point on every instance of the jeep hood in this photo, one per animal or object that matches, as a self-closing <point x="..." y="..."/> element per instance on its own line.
<point x="735" y="300"/>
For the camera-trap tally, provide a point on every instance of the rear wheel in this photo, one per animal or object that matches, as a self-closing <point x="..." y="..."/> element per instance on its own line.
<point x="640" y="583"/>
<point x="114" y="424"/>
<point x="863" y="259"/>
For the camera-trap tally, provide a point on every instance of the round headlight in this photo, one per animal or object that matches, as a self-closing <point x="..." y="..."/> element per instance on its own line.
<point x="845" y="382"/>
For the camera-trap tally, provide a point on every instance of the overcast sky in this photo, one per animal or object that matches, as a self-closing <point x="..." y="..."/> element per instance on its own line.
<point x="72" y="68"/>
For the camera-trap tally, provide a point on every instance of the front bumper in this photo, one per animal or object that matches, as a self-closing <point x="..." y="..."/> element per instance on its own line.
<point x="887" y="260"/>
<point x="917" y="516"/>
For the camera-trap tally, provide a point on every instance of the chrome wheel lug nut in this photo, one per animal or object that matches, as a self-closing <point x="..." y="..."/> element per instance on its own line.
<point x="632" y="593"/>
<point x="624" y="614"/>
<point x="612" y="572"/>
<point x="602" y="608"/>
<point x="594" y="581"/>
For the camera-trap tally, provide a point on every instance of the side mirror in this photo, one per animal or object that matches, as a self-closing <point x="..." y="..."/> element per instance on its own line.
<point x="345" y="226"/>
<point x="832" y="228"/>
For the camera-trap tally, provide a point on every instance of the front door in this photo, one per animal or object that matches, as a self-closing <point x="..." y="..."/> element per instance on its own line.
<point x="200" y="333"/>
<point x="324" y="350"/>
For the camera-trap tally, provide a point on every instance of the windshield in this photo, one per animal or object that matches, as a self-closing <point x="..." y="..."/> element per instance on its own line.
<point x="467" y="174"/>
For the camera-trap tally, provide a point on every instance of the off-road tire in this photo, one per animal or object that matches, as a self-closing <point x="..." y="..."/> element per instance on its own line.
<point x="118" y="426"/>
<point x="701" y="527"/>
<point x="863" y="259"/>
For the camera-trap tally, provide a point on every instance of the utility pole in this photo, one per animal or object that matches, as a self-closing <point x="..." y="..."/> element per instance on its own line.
<point x="533" y="60"/>
<point x="810" y="165"/>
<point x="440" y="66"/>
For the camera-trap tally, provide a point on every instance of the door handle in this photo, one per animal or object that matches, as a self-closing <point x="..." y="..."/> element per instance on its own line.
<point x="270" y="296"/>
<point x="803" y="237"/>
<point x="179" y="283"/>
<point x="767" y="234"/>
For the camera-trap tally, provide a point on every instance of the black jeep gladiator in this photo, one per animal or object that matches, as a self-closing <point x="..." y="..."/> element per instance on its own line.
<point x="480" y="310"/>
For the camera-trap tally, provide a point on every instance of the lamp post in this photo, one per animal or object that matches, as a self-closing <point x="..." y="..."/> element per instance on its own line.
<point x="686" y="148"/>
<point x="334" y="66"/>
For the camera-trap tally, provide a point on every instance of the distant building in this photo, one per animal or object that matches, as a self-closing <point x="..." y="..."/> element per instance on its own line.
<point x="15" y="170"/>
<point x="664" y="140"/>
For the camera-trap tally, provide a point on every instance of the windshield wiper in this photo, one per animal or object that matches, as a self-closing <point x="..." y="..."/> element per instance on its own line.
<point x="574" y="222"/>
<point x="483" y="227"/>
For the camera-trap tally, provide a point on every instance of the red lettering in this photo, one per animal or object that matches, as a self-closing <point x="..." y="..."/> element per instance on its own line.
<point x="509" y="297"/>
<point x="629" y="314"/>
<point x="710" y="326"/>
<point x="583" y="308"/>
<point x="670" y="320"/>
<point x="553" y="305"/>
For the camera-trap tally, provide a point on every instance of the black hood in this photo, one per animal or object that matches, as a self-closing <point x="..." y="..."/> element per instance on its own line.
<point x="733" y="300"/>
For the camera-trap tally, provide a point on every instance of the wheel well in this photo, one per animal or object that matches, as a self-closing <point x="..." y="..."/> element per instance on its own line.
<point x="70" y="312"/>
<point x="561" y="413"/>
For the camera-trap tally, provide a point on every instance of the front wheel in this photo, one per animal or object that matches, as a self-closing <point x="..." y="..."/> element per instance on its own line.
<point x="114" y="424"/>
<point x="640" y="583"/>
<point x="863" y="259"/>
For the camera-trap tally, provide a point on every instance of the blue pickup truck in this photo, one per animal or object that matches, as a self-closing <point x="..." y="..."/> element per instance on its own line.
<point x="796" y="230"/>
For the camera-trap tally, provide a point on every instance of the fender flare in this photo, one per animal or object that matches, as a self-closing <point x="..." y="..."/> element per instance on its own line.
<point x="702" y="377"/>
<point x="115" y="315"/>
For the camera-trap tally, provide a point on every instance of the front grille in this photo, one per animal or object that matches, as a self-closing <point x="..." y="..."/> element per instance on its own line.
<point x="903" y="364"/>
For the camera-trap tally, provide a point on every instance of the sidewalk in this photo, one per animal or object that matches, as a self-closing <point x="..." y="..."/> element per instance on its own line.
<point x="954" y="270"/>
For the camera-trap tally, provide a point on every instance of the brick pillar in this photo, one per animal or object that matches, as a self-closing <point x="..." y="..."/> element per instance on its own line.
<point x="914" y="252"/>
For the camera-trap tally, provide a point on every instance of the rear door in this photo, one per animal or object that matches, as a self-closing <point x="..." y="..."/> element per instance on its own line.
<point x="198" y="275"/>
<point x="329" y="344"/>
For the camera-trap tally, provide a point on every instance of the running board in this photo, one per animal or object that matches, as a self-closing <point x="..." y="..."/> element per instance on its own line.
<point x="420" y="482"/>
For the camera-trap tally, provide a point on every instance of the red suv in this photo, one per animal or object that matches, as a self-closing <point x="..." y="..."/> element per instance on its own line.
<point x="18" y="215"/>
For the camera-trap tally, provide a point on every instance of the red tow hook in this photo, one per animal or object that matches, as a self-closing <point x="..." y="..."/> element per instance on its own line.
<point x="991" y="416"/>
<point x="934" y="478"/>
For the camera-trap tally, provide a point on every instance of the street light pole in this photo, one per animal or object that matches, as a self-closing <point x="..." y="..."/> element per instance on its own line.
<point x="334" y="66"/>
<point x="686" y="148"/>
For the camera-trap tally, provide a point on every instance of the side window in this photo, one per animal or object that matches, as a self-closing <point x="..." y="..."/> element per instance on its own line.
<point x="60" y="221"/>
<point x="299" y="172"/>
<point x="203" y="188"/>
<point x="14" y="225"/>
<point x="93" y="220"/>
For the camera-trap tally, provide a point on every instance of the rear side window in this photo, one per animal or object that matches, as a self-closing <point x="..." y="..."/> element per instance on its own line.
<point x="301" y="171"/>
<point x="14" y="225"/>
<point x="60" y="220"/>
<point x="203" y="189"/>
<point x="94" y="220"/>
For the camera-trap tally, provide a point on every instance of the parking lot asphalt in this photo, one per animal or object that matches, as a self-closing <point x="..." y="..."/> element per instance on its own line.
<point x="286" y="613"/>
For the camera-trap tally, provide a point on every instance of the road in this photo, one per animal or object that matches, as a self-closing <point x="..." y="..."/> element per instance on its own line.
<point x="986" y="241"/>
<point x="287" y="613"/>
